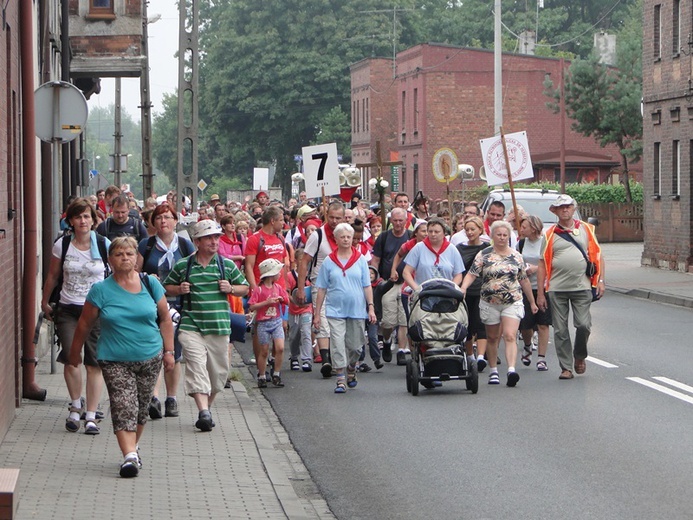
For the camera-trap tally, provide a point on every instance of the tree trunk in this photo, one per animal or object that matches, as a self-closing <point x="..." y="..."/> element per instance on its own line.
<point x="626" y="178"/>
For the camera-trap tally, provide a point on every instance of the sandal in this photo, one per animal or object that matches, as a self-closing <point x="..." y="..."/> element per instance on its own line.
<point x="527" y="356"/>
<point x="566" y="374"/>
<point x="90" y="428"/>
<point x="72" y="425"/>
<point x="542" y="366"/>
<point x="493" y="378"/>
<point x="340" y="388"/>
<point x="351" y="380"/>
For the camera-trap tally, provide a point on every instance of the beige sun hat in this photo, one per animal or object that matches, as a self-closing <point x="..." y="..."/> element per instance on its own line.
<point x="204" y="228"/>
<point x="270" y="267"/>
<point x="562" y="200"/>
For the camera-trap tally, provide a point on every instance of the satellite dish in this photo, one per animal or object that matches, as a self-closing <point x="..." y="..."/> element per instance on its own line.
<point x="445" y="165"/>
<point x="466" y="171"/>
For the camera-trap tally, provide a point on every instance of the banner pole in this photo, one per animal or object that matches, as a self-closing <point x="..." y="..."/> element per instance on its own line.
<point x="510" y="181"/>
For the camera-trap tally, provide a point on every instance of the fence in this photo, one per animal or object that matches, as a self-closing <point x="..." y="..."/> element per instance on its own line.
<point x="617" y="222"/>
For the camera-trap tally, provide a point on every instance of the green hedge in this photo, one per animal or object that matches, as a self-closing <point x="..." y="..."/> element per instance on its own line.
<point x="582" y="193"/>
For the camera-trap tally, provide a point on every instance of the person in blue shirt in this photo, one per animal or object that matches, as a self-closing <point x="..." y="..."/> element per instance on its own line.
<point x="129" y="349"/>
<point x="344" y="288"/>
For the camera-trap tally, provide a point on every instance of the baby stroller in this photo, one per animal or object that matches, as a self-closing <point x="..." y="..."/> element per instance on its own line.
<point x="438" y="326"/>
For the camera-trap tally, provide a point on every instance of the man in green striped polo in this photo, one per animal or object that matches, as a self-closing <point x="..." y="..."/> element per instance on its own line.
<point x="205" y="322"/>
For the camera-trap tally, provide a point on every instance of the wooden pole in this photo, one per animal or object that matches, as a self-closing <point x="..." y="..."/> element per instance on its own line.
<point x="510" y="180"/>
<point x="324" y="204"/>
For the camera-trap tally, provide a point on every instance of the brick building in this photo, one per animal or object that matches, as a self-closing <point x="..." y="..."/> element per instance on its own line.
<point x="10" y="215"/>
<point x="442" y="97"/>
<point x="667" y="133"/>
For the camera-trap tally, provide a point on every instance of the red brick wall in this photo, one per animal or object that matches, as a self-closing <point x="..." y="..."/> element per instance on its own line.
<point x="667" y="220"/>
<point x="10" y="245"/>
<point x="95" y="46"/>
<point x="455" y="108"/>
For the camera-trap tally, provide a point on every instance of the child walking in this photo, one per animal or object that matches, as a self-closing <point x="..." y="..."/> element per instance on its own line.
<point x="300" y="324"/>
<point x="266" y="301"/>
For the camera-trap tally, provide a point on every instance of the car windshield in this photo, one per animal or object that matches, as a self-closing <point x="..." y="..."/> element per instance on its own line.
<point x="538" y="207"/>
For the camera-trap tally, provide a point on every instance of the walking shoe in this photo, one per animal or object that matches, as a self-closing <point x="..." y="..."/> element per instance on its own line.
<point x="387" y="352"/>
<point x="277" y="381"/>
<point x="227" y="384"/>
<point x="204" y="421"/>
<point x="307" y="366"/>
<point x="401" y="357"/>
<point x="378" y="364"/>
<point x="363" y="367"/>
<point x="513" y="378"/>
<point x="90" y="428"/>
<point x="295" y="365"/>
<point x="480" y="365"/>
<point x="580" y="366"/>
<point x="171" y="406"/>
<point x="130" y="467"/>
<point x="261" y="382"/>
<point x="155" y="409"/>
<point x="326" y="370"/>
<point x="73" y="425"/>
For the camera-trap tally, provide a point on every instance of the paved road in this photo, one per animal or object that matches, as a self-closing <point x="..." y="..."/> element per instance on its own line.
<point x="607" y="445"/>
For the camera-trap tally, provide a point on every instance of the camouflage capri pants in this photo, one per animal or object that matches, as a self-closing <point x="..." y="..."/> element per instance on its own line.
<point x="130" y="387"/>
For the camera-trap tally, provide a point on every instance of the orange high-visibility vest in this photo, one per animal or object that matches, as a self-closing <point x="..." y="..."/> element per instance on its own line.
<point x="594" y="253"/>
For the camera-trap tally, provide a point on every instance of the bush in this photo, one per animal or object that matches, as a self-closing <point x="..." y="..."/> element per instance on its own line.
<point x="582" y="193"/>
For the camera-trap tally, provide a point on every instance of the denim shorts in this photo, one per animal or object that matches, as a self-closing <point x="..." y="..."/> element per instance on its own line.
<point x="269" y="330"/>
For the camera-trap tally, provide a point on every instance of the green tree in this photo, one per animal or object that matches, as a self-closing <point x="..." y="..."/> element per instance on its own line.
<point x="335" y="127"/>
<point x="604" y="102"/>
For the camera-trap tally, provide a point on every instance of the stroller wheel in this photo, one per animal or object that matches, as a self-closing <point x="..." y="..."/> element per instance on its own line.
<point x="408" y="376"/>
<point x="414" y="378"/>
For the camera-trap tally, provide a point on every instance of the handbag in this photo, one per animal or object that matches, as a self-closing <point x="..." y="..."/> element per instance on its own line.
<point x="591" y="268"/>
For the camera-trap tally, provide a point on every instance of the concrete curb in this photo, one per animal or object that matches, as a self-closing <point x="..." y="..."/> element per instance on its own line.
<point x="655" y="296"/>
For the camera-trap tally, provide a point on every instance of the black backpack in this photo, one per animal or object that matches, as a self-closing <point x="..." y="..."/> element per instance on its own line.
<point x="100" y="242"/>
<point x="222" y="274"/>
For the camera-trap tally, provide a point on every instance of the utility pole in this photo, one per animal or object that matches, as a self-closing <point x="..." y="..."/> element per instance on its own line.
<point x="146" y="106"/>
<point x="117" y="135"/>
<point x="497" y="69"/>
<point x="187" y="102"/>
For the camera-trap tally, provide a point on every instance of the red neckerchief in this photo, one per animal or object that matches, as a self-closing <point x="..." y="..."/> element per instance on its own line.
<point x="355" y="255"/>
<point x="224" y="238"/>
<point x="560" y="229"/>
<point x="371" y="241"/>
<point x="329" y="234"/>
<point x="301" y="232"/>
<point x="427" y="243"/>
<point x="363" y="248"/>
<point x="410" y="218"/>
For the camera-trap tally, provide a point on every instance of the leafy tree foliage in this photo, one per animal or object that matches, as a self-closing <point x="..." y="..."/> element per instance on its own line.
<point x="605" y="102"/>
<point x="275" y="73"/>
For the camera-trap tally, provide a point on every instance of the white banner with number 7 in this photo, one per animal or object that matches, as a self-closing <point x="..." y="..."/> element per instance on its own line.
<point x="321" y="170"/>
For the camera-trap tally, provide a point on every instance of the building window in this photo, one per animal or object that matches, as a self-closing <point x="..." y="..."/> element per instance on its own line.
<point x="675" y="114"/>
<point x="675" y="169"/>
<point x="358" y="116"/>
<point x="657" y="43"/>
<point x="363" y="114"/>
<point x="101" y="8"/>
<point x="657" y="117"/>
<point x="656" y="168"/>
<point x="353" y="116"/>
<point x="366" y="119"/>
<point x="676" y="28"/>
<point x="416" y="110"/>
<point x="404" y="110"/>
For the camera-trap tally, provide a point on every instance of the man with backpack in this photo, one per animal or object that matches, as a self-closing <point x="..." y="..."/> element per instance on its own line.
<point x="120" y="223"/>
<point x="204" y="280"/>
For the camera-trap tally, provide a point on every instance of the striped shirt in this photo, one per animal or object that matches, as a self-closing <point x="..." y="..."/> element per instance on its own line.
<point x="207" y="309"/>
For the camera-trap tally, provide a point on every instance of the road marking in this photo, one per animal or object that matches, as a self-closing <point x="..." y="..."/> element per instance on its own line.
<point x="663" y="389"/>
<point x="675" y="384"/>
<point x="605" y="364"/>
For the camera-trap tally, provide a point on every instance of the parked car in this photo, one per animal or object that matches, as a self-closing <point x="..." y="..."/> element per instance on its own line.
<point x="533" y="201"/>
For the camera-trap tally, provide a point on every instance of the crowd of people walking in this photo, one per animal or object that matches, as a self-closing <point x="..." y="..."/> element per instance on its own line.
<point x="132" y="297"/>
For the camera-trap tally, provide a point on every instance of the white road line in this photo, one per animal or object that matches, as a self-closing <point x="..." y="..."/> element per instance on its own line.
<point x="675" y="384"/>
<point x="663" y="389"/>
<point x="605" y="364"/>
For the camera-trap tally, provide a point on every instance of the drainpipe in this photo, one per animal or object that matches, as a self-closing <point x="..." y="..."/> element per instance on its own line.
<point x="30" y="390"/>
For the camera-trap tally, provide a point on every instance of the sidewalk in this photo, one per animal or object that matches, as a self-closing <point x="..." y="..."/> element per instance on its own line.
<point x="246" y="468"/>
<point x="625" y="275"/>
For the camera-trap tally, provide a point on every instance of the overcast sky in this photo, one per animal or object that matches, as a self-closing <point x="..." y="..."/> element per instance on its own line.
<point x="163" y="44"/>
